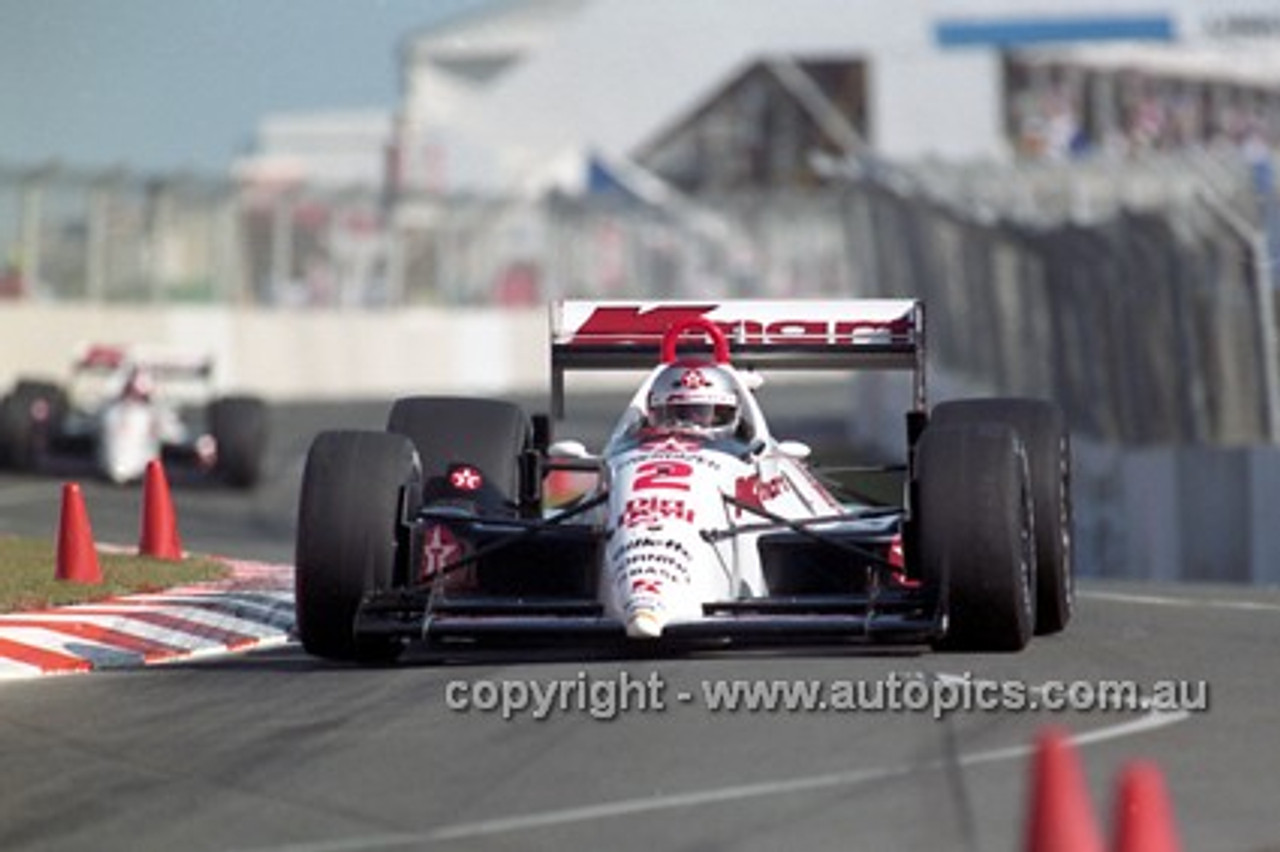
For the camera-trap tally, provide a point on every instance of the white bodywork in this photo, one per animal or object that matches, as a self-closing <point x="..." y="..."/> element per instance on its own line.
<point x="128" y="438"/>
<point x="685" y="516"/>
<point x="667" y="490"/>
<point x="130" y="434"/>
<point x="127" y="432"/>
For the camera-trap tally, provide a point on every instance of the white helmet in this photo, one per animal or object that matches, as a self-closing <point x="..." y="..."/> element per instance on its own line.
<point x="697" y="398"/>
<point x="139" y="385"/>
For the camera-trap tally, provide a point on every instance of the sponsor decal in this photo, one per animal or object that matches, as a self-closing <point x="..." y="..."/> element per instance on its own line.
<point x="694" y="379"/>
<point x="897" y="557"/>
<point x="666" y="446"/>
<point x="754" y="491"/>
<point x="668" y="443"/>
<point x="645" y="566"/>
<point x="655" y="565"/>
<point x="640" y="544"/>
<point x="636" y="325"/>
<point x="658" y="474"/>
<point x="441" y="549"/>
<point x="653" y="511"/>
<point x="646" y="586"/>
<point x="464" y="477"/>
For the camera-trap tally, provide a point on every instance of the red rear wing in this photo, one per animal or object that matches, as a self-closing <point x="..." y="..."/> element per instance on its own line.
<point x="840" y="334"/>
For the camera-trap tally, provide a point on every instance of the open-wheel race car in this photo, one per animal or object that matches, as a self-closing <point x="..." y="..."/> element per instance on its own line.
<point x="697" y="525"/>
<point x="124" y="406"/>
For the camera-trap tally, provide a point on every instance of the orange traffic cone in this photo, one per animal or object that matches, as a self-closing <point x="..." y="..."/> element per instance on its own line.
<point x="77" y="558"/>
<point x="1143" y="815"/>
<point x="1061" y="817"/>
<point x="159" y="537"/>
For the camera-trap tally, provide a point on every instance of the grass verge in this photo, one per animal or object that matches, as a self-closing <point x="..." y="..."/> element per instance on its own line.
<point x="27" y="568"/>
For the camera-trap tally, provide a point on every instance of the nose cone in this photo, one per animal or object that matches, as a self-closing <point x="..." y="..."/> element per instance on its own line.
<point x="121" y="462"/>
<point x="118" y="473"/>
<point x="645" y="624"/>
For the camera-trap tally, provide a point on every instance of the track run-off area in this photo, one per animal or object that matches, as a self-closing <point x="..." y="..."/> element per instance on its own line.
<point x="843" y="748"/>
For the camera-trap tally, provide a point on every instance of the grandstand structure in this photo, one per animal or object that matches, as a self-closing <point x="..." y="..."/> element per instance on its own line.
<point x="525" y="126"/>
<point x="521" y="94"/>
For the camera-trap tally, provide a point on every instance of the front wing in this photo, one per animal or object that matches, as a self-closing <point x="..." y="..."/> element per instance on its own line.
<point x="898" y="616"/>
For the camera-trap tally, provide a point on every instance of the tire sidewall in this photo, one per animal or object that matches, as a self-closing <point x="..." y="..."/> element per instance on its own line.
<point x="239" y="428"/>
<point x="349" y="538"/>
<point x="976" y="534"/>
<point x="1041" y="427"/>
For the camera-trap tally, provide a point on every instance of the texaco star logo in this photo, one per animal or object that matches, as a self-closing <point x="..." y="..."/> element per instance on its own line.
<point x="672" y="444"/>
<point x="694" y="379"/>
<point x="439" y="550"/>
<point x="465" y="478"/>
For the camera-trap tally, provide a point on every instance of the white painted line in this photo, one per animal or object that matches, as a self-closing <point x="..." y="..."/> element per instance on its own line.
<point x="1142" y="724"/>
<point x="1190" y="603"/>
<point x="742" y="792"/>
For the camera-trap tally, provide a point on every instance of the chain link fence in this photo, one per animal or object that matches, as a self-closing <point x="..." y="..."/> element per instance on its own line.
<point x="1148" y="327"/>
<point x="1139" y="297"/>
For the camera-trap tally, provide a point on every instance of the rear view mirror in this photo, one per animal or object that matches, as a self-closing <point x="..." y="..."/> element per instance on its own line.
<point x="570" y="448"/>
<point x="795" y="449"/>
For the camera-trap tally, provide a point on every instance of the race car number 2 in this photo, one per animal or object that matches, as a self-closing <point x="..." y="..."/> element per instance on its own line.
<point x="662" y="474"/>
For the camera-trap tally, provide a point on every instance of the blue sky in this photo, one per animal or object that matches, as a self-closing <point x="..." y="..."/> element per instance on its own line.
<point x="158" y="85"/>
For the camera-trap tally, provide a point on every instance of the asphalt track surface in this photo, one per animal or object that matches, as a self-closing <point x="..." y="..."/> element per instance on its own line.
<point x="275" y="751"/>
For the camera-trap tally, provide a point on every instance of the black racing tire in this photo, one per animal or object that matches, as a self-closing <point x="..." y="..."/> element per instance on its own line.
<point x="488" y="434"/>
<point x="976" y="539"/>
<point x="1041" y="426"/>
<point x="239" y="428"/>
<point x="349" y="538"/>
<point x="15" y="432"/>
<point x="21" y="434"/>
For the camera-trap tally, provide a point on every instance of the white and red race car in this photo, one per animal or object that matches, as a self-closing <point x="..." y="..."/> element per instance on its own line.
<point x="699" y="525"/>
<point x="124" y="406"/>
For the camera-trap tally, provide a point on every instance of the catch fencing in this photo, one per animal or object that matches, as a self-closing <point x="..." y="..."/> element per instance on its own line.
<point x="1139" y="296"/>
<point x="1147" y="327"/>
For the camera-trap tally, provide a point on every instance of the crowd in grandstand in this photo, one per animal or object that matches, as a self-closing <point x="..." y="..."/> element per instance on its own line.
<point x="1062" y="107"/>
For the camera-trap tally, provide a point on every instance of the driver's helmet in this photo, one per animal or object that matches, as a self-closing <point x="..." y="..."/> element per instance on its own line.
<point x="700" y="399"/>
<point x="139" y="386"/>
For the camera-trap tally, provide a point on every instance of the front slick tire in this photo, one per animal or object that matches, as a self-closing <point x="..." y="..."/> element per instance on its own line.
<point x="976" y="535"/>
<point x="348" y="537"/>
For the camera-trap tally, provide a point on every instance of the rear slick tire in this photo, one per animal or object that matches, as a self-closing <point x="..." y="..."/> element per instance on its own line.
<point x="488" y="434"/>
<point x="239" y="427"/>
<point x="1042" y="428"/>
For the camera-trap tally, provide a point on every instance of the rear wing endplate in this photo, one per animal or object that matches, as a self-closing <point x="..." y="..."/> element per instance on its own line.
<point x="830" y="334"/>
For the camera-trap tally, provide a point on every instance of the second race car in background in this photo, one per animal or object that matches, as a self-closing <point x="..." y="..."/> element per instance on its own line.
<point x="123" y="407"/>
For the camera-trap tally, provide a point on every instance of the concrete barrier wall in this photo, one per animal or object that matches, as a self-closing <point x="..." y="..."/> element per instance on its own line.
<point x="1172" y="512"/>
<point x="1178" y="513"/>
<point x="298" y="354"/>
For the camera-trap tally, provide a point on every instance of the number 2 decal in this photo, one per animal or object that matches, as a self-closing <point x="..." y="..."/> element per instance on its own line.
<point x="663" y="474"/>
